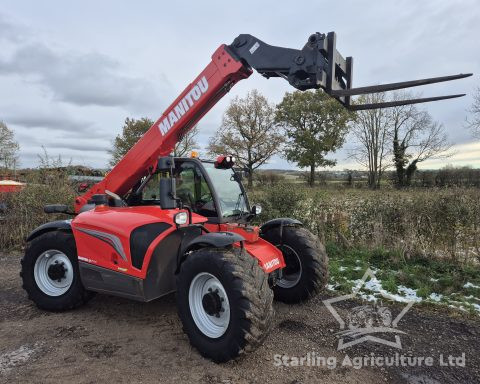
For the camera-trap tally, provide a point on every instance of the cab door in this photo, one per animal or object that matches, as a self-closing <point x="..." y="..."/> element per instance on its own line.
<point x="193" y="189"/>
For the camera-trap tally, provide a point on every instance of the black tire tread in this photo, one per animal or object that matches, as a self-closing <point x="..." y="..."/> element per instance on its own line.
<point x="314" y="258"/>
<point x="255" y="303"/>
<point x="76" y="297"/>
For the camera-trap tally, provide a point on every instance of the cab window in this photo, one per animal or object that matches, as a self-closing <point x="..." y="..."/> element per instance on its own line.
<point x="150" y="191"/>
<point x="193" y="190"/>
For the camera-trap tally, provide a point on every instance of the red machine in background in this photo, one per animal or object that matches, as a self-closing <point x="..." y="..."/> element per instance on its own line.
<point x="7" y="186"/>
<point x="157" y="224"/>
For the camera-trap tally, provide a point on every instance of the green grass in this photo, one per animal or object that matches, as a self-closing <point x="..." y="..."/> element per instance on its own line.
<point x="426" y="276"/>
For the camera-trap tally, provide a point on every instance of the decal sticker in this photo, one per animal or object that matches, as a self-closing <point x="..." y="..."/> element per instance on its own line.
<point x="254" y="48"/>
<point x="87" y="260"/>
<point x="183" y="106"/>
<point x="108" y="238"/>
<point x="272" y="263"/>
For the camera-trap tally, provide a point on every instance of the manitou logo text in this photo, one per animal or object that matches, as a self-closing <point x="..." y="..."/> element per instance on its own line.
<point x="271" y="264"/>
<point x="184" y="105"/>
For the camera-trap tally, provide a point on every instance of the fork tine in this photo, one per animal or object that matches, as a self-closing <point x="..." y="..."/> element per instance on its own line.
<point x="394" y="86"/>
<point x="388" y="104"/>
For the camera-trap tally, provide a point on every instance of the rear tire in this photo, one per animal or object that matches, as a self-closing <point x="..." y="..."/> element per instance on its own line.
<point x="234" y="315"/>
<point x="306" y="272"/>
<point x="56" y="288"/>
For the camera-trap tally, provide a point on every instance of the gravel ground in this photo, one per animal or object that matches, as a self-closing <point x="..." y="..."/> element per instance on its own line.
<point x="119" y="341"/>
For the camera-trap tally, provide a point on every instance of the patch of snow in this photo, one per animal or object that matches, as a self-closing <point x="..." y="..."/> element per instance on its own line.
<point x="341" y="269"/>
<point x="435" y="297"/>
<point x="470" y="285"/>
<point x="461" y="307"/>
<point x="375" y="285"/>
<point x="434" y="280"/>
<point x="410" y="294"/>
<point x="331" y="287"/>
<point x="368" y="297"/>
<point x="357" y="268"/>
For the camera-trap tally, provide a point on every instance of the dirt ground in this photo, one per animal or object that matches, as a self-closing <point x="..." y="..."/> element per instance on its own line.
<point x="119" y="341"/>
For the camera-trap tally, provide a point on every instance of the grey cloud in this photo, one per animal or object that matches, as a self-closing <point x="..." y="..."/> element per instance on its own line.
<point x="10" y="31"/>
<point x="89" y="146"/>
<point x="54" y="122"/>
<point x="89" y="79"/>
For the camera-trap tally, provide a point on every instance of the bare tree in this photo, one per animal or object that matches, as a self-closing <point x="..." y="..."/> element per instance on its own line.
<point x="474" y="123"/>
<point x="187" y="144"/>
<point x="8" y="148"/>
<point x="371" y="128"/>
<point x="248" y="132"/>
<point x="415" y="138"/>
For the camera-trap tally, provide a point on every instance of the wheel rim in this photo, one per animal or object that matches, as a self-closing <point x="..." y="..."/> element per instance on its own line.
<point x="209" y="305"/>
<point x="293" y="271"/>
<point x="53" y="273"/>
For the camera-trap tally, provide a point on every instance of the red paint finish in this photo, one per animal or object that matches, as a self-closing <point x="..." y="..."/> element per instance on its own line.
<point x="7" y="186"/>
<point x="269" y="257"/>
<point x="120" y="222"/>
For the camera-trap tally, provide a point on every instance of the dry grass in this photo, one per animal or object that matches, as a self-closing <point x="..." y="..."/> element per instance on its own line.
<point x="25" y="208"/>
<point x="440" y="223"/>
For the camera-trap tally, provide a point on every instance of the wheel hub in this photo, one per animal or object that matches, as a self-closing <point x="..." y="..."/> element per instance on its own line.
<point x="293" y="270"/>
<point x="209" y="305"/>
<point x="53" y="272"/>
<point x="212" y="303"/>
<point x="57" y="271"/>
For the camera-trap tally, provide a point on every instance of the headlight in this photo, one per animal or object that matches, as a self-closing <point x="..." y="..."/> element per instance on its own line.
<point x="257" y="209"/>
<point x="181" y="218"/>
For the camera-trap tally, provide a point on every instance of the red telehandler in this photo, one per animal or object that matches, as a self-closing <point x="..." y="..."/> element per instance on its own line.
<point x="157" y="224"/>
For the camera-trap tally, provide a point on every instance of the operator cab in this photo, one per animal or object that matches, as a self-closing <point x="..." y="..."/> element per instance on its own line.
<point x="212" y="189"/>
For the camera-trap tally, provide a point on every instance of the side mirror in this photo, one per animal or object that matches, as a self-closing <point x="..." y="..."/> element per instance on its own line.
<point x="55" y="208"/>
<point x="167" y="193"/>
<point x="166" y="163"/>
<point x="256" y="210"/>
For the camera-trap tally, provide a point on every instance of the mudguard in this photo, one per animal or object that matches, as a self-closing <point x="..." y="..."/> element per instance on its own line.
<point x="280" y="222"/>
<point x="64" y="225"/>
<point x="268" y="256"/>
<point x="214" y="239"/>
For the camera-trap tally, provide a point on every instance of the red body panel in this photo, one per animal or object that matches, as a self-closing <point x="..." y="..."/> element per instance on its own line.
<point x="269" y="257"/>
<point x="96" y="233"/>
<point x="119" y="222"/>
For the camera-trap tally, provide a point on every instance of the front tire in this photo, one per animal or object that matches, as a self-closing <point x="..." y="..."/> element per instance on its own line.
<point x="224" y="302"/>
<point x="306" y="271"/>
<point x="50" y="272"/>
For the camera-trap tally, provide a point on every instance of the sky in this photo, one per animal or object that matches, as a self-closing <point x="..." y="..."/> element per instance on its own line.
<point x="71" y="72"/>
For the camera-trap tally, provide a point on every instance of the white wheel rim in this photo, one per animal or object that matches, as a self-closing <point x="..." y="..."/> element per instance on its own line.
<point x="290" y="280"/>
<point x="44" y="281"/>
<point x="212" y="326"/>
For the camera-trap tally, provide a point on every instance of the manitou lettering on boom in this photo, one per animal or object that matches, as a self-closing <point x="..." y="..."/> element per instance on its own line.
<point x="184" y="105"/>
